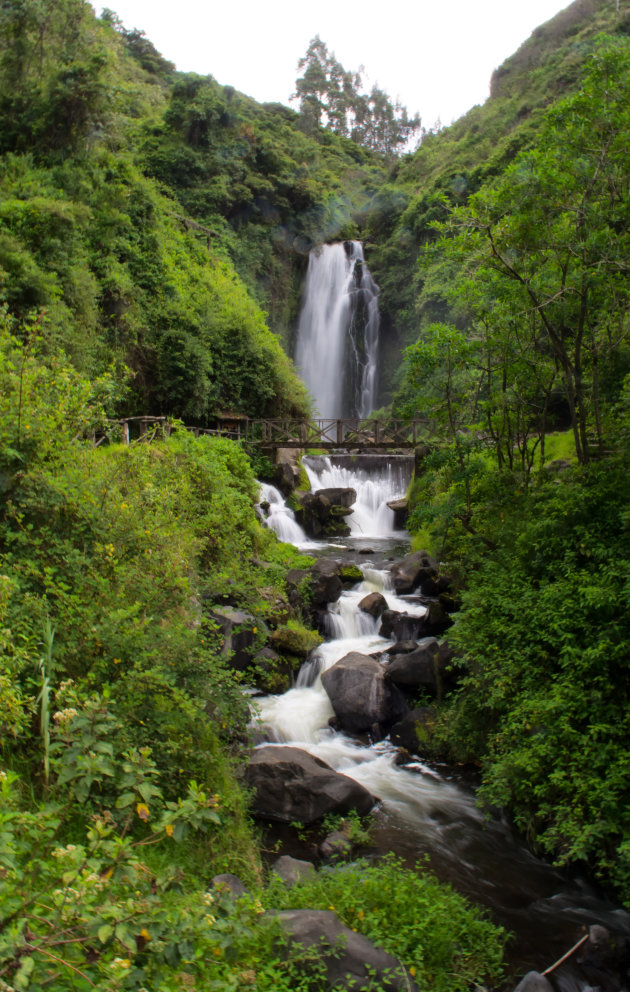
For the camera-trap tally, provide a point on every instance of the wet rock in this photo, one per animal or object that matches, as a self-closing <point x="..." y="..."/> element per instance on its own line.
<point x="292" y="870"/>
<point x="360" y="696"/>
<point x="401" y="626"/>
<point x="401" y="512"/>
<point x="325" y="582"/>
<point x="409" y="573"/>
<point x="351" y="960"/>
<point x="419" y="668"/>
<point x="350" y="574"/>
<point x="414" y="730"/>
<point x="290" y="784"/>
<point x="402" y="647"/>
<point x="436" y="620"/>
<point x="374" y="604"/>
<point x="320" y="513"/>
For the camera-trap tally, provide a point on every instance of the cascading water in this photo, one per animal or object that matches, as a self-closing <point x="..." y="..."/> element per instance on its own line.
<point x="337" y="338"/>
<point x="377" y="481"/>
<point x="280" y="518"/>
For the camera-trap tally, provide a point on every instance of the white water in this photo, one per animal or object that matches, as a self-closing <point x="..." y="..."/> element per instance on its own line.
<point x="337" y="337"/>
<point x="281" y="519"/>
<point x="371" y="516"/>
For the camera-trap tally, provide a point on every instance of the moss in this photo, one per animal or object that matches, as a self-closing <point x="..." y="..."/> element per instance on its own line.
<point x="350" y="574"/>
<point x="294" y="639"/>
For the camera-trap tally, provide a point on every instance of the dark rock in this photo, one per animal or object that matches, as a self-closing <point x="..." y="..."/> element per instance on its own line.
<point x="366" y="551"/>
<point x="319" y="512"/>
<point x="401" y="512"/>
<point x="414" y="730"/>
<point x="290" y="784"/>
<point x="230" y="883"/>
<point x="418" y="668"/>
<point x="436" y="620"/>
<point x="374" y="604"/>
<point x="239" y="633"/>
<point x="325" y="582"/>
<point x="401" y="626"/>
<point x="402" y="647"/>
<point x="534" y="982"/>
<point x="292" y="870"/>
<point x="409" y="573"/>
<point x="360" y="695"/>
<point x="285" y="477"/>
<point x="450" y="601"/>
<point x="351" y="960"/>
<point x="295" y="584"/>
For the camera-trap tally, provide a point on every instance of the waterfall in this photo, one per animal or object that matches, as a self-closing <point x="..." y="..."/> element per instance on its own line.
<point x="377" y="481"/>
<point x="280" y="518"/>
<point x="337" y="338"/>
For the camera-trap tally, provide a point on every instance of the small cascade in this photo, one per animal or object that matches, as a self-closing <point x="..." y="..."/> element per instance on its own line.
<point x="377" y="482"/>
<point x="337" y="338"/>
<point x="280" y="518"/>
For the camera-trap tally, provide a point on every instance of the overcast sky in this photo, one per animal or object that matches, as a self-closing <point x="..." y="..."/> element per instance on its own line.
<point x="437" y="56"/>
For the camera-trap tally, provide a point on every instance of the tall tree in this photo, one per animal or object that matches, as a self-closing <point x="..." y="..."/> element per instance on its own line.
<point x="331" y="96"/>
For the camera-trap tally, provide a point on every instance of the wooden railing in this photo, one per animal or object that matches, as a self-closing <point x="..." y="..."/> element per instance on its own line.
<point x="286" y="433"/>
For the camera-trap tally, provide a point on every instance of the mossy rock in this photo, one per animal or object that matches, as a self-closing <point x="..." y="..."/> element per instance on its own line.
<point x="295" y="640"/>
<point x="350" y="574"/>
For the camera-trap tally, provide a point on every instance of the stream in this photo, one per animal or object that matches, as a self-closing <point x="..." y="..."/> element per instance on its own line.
<point x="426" y="813"/>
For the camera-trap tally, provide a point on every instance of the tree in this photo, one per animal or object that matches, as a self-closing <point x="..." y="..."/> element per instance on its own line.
<point x="550" y="240"/>
<point x="329" y="96"/>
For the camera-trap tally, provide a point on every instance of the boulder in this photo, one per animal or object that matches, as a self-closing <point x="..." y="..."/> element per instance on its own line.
<point x="320" y="512"/>
<point x="325" y="582"/>
<point x="290" y="784"/>
<point x="374" y="604"/>
<point x="337" y="846"/>
<point x="401" y="626"/>
<point x="360" y="696"/>
<point x="400" y="508"/>
<point x="414" y="730"/>
<point x="419" y="668"/>
<point x="351" y="960"/>
<point x="292" y="870"/>
<point x="402" y="647"/>
<point x="409" y="573"/>
<point x="436" y="620"/>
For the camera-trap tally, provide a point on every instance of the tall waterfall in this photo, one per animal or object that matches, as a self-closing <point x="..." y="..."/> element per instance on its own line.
<point x="337" y="339"/>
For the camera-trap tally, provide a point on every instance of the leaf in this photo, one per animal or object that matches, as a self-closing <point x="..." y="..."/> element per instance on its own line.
<point x="125" y="800"/>
<point x="105" y="932"/>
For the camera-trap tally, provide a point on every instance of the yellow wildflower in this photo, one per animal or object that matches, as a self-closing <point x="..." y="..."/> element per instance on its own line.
<point x="169" y="829"/>
<point x="143" y="811"/>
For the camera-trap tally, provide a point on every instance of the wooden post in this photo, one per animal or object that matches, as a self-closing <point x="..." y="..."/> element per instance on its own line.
<point x="377" y="432"/>
<point x="339" y="432"/>
<point x="125" y="432"/>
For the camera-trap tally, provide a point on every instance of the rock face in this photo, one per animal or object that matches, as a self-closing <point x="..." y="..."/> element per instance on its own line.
<point x="351" y="960"/>
<point x="292" y="870"/>
<point x="401" y="626"/>
<point x="322" y="512"/>
<point x="360" y="695"/>
<point x="401" y="512"/>
<point x="290" y="784"/>
<point x="534" y="982"/>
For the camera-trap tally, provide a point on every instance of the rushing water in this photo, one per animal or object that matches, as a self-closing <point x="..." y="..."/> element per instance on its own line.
<point x="337" y="338"/>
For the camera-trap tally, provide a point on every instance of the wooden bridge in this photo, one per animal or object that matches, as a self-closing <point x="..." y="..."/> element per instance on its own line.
<point x="360" y="435"/>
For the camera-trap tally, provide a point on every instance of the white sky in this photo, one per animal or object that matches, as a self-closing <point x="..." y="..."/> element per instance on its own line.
<point x="436" y="56"/>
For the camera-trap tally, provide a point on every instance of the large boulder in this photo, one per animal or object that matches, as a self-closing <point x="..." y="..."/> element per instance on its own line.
<point x="534" y="982"/>
<point x="290" y="784"/>
<point x="419" y="668"/>
<point x="360" y="695"/>
<point x="292" y="871"/>
<point x="409" y="573"/>
<point x="351" y="960"/>
<point x="374" y="604"/>
<point x="401" y="626"/>
<point x="325" y="582"/>
<point x="321" y="513"/>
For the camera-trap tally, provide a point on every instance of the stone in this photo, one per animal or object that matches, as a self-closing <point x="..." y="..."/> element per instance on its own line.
<point x="319" y="513"/>
<point x="414" y="730"/>
<point x="335" y="847"/>
<point x="374" y="604"/>
<point x="290" y="784"/>
<point x="325" y="582"/>
<point x="436" y="620"/>
<point x="360" y="696"/>
<point x="401" y="626"/>
<point x="400" y="508"/>
<point x="351" y="960"/>
<point x="409" y="573"/>
<point x="230" y="883"/>
<point x="402" y="647"/>
<point x="293" y="870"/>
